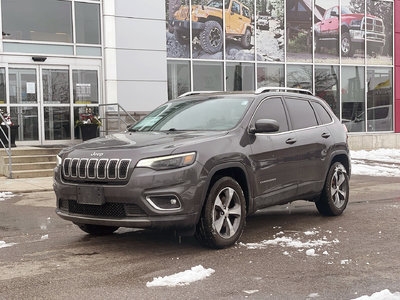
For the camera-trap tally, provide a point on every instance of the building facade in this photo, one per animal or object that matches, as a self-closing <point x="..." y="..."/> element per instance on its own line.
<point x="59" y="57"/>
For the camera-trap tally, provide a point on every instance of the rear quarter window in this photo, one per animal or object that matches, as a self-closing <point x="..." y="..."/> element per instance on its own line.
<point x="323" y="115"/>
<point x="301" y="113"/>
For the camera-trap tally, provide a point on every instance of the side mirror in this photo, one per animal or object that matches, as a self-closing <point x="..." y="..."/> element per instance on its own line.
<point x="265" y="126"/>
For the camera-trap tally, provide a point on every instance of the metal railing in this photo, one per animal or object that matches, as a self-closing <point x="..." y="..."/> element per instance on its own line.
<point x="106" y="109"/>
<point x="8" y="139"/>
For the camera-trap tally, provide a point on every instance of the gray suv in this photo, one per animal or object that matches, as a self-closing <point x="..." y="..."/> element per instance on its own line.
<point x="203" y="162"/>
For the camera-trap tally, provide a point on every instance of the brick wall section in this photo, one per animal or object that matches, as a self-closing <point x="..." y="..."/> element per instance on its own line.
<point x="397" y="63"/>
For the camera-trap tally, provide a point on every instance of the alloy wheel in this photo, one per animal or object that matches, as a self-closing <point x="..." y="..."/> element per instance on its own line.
<point x="339" y="188"/>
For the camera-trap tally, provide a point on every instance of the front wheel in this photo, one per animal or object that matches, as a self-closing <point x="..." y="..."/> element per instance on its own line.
<point x="224" y="215"/>
<point x="346" y="45"/>
<point x="335" y="195"/>
<point x="246" y="39"/>
<point x="97" y="229"/>
<point x="211" y="38"/>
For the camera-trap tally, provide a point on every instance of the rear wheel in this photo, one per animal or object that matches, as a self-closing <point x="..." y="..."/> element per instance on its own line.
<point x="97" y="229"/>
<point x="246" y="39"/>
<point x="335" y="195"/>
<point x="224" y="215"/>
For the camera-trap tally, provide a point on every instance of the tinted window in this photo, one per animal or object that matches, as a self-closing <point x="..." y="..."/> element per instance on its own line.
<point x="245" y="12"/>
<point x="322" y="113"/>
<point x="235" y="8"/>
<point x="301" y="113"/>
<point x="272" y="109"/>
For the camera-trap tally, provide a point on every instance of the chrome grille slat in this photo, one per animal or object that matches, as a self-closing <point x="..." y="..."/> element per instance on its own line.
<point x="96" y="169"/>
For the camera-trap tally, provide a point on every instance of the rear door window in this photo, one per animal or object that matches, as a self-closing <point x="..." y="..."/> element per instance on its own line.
<point x="301" y="113"/>
<point x="272" y="108"/>
<point x="323" y="115"/>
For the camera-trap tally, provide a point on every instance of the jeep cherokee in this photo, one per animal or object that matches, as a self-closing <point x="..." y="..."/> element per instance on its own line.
<point x="202" y="163"/>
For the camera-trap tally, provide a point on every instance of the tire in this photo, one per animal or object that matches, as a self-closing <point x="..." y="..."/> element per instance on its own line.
<point x="211" y="37"/>
<point x="97" y="229"/>
<point x="222" y="224"/>
<point x="183" y="40"/>
<point x="345" y="45"/>
<point x="246" y="39"/>
<point x="334" y="196"/>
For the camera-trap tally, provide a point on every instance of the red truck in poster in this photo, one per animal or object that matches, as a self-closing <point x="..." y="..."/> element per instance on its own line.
<point x="353" y="32"/>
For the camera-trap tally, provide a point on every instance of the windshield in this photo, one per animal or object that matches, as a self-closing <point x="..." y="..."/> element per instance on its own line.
<point x="215" y="3"/>
<point x="211" y="114"/>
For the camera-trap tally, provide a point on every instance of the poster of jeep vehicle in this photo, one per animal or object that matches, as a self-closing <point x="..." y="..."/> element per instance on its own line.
<point x="352" y="41"/>
<point x="379" y="32"/>
<point x="177" y="28"/>
<point x="299" y="30"/>
<point x="239" y="29"/>
<point x="270" y="24"/>
<point x="326" y="31"/>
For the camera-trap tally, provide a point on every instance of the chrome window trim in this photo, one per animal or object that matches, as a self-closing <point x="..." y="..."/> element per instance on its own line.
<point x="115" y="168"/>
<point x="94" y="168"/>
<point x="127" y="168"/>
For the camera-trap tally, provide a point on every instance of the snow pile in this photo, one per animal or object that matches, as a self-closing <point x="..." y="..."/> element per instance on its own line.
<point x="381" y="162"/>
<point x="3" y="244"/>
<point x="44" y="237"/>
<point x="288" y="242"/>
<point x="6" y="195"/>
<point x="183" y="278"/>
<point x="382" y="295"/>
<point x="311" y="252"/>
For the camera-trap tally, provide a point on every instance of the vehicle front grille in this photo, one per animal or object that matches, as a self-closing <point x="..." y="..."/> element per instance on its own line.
<point x="93" y="170"/>
<point x="116" y="210"/>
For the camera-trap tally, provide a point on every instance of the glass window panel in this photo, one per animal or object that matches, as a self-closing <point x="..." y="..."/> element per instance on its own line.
<point x="3" y="94"/>
<point x="239" y="77"/>
<point x="37" y="48"/>
<point x="85" y="86"/>
<point x="379" y="32"/>
<point x="39" y="20"/>
<point x="207" y="35"/>
<point x="77" y="116"/>
<point x="324" y="116"/>
<point x="178" y="78"/>
<point x="299" y="77"/>
<point x="88" y="51"/>
<point x="298" y="30"/>
<point x="177" y="28"/>
<point x="327" y="86"/>
<point x="87" y="19"/>
<point x="353" y="98"/>
<point x="270" y="30"/>
<point x="27" y="119"/>
<point x="55" y="86"/>
<point x="207" y="76"/>
<point x="272" y="109"/>
<point x="326" y="30"/>
<point x="380" y="99"/>
<point x="301" y="113"/>
<point x="57" y="123"/>
<point x="239" y="30"/>
<point x="270" y="75"/>
<point x="23" y="87"/>
<point x="352" y="42"/>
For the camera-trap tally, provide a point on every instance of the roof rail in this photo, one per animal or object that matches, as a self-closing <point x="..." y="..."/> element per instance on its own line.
<point x="192" y="93"/>
<point x="269" y="89"/>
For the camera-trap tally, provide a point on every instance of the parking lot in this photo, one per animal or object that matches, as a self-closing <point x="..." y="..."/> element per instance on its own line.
<point x="288" y="252"/>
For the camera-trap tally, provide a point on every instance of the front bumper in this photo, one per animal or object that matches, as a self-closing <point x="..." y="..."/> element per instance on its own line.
<point x="358" y="36"/>
<point x="180" y="25"/>
<point x="128" y="205"/>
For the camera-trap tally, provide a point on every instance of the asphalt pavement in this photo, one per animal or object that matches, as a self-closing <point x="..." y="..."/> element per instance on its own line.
<point x="354" y="254"/>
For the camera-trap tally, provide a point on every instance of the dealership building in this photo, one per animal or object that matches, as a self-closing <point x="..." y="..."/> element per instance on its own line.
<point x="58" y="57"/>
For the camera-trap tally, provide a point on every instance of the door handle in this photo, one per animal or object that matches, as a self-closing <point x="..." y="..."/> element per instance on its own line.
<point x="325" y="135"/>
<point x="291" y="141"/>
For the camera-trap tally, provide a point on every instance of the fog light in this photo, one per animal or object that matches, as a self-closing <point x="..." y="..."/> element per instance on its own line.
<point x="164" y="202"/>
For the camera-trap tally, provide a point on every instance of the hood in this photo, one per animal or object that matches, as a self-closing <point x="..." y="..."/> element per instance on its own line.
<point x="143" y="142"/>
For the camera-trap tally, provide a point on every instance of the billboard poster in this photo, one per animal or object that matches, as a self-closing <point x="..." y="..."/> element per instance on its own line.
<point x="270" y="35"/>
<point x="352" y="43"/>
<point x="326" y="31"/>
<point x="207" y="29"/>
<point x="299" y="30"/>
<point x="379" y="32"/>
<point x="177" y="28"/>
<point x="239" y="29"/>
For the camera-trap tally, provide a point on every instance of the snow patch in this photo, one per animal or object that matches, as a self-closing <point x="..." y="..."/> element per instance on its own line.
<point x="3" y="244"/>
<point x="313" y="295"/>
<point x="311" y="252"/>
<point x="311" y="232"/>
<point x="288" y="242"/>
<point x="380" y="162"/>
<point x="182" y="278"/>
<point x="382" y="295"/>
<point x="6" y="195"/>
<point x="44" y="237"/>
<point x="249" y="292"/>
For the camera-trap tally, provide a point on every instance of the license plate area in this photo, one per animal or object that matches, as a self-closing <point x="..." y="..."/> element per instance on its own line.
<point x="92" y="195"/>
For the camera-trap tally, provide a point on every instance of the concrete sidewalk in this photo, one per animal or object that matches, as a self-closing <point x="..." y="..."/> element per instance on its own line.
<point x="26" y="185"/>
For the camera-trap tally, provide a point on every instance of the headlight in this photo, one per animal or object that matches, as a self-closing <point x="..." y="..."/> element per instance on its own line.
<point x="168" y="162"/>
<point x="59" y="160"/>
